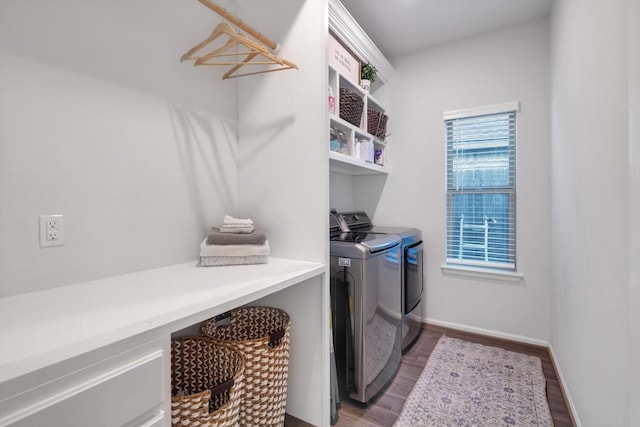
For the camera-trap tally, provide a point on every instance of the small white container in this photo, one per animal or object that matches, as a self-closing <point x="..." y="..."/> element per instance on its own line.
<point x="370" y="152"/>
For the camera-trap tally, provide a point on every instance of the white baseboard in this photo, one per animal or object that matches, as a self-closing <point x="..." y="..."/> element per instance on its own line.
<point x="488" y="332"/>
<point x="565" y="391"/>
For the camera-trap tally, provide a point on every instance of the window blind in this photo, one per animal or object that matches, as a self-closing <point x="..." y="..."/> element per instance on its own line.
<point x="481" y="190"/>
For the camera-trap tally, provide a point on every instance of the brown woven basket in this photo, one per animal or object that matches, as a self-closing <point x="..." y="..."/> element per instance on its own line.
<point x="351" y="105"/>
<point x="261" y="335"/>
<point x="207" y="383"/>
<point x="377" y="123"/>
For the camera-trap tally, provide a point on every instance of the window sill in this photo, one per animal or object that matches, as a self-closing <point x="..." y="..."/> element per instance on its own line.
<point x="482" y="273"/>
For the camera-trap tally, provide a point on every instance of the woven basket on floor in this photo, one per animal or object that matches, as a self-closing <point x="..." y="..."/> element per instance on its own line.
<point x="351" y="106"/>
<point x="377" y="123"/>
<point x="207" y="383"/>
<point x="261" y="335"/>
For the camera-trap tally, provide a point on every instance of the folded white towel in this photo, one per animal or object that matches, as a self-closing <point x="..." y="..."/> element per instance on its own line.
<point x="242" y="229"/>
<point x="213" y="261"/>
<point x="234" y="250"/>
<point x="229" y="220"/>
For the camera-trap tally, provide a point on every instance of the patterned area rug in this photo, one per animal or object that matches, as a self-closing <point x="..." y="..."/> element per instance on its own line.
<point x="468" y="384"/>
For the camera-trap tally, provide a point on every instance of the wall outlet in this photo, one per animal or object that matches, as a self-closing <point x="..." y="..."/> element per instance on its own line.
<point x="51" y="230"/>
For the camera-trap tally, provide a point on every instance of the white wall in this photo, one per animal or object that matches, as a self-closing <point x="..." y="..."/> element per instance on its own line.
<point x="284" y="181"/>
<point x="634" y="206"/>
<point x="100" y="122"/>
<point x="341" y="193"/>
<point x="283" y="175"/>
<point x="507" y="65"/>
<point x="591" y="206"/>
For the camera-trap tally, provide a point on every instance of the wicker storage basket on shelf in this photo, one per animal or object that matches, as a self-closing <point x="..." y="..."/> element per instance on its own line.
<point x="207" y="383"/>
<point x="261" y="335"/>
<point x="351" y="106"/>
<point x="377" y="123"/>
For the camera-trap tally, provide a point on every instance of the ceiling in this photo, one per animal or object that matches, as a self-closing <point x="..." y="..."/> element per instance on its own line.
<point x="398" y="27"/>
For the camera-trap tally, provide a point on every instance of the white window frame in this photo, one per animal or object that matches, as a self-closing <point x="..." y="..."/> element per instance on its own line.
<point x="467" y="267"/>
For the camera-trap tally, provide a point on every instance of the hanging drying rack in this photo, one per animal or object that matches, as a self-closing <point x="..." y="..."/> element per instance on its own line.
<point x="244" y="58"/>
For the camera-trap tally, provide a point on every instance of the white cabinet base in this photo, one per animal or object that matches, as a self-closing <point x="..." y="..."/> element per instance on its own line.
<point x="106" y="388"/>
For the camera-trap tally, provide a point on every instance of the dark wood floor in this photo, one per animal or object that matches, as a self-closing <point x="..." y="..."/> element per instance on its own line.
<point x="385" y="409"/>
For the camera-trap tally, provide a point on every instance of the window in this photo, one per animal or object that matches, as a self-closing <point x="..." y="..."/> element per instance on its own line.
<point x="481" y="187"/>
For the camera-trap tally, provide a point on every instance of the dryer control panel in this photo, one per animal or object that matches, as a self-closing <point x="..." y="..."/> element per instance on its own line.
<point x="350" y="221"/>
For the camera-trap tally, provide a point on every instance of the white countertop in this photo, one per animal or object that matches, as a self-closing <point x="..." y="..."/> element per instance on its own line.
<point x="42" y="328"/>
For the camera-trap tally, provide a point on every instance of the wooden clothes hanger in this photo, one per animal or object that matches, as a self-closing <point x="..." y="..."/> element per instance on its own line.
<point x="235" y="39"/>
<point x="222" y="28"/>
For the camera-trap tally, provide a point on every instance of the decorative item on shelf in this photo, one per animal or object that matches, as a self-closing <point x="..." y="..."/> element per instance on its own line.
<point x="364" y="148"/>
<point x="367" y="75"/>
<point x="332" y="101"/>
<point x="377" y="123"/>
<point x="343" y="60"/>
<point x="370" y="154"/>
<point x="351" y="105"/>
<point x="379" y="156"/>
<point x="344" y="145"/>
<point x="334" y="143"/>
<point x="359" y="149"/>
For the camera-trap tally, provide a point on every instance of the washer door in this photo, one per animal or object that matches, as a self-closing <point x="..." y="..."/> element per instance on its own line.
<point x="342" y="320"/>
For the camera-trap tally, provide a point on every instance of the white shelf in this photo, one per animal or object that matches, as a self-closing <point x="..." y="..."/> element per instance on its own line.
<point x="345" y="125"/>
<point x="40" y="329"/>
<point x="348" y="165"/>
<point x="374" y="103"/>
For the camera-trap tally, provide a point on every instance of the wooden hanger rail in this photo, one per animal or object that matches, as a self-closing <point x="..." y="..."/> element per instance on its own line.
<point x="238" y="23"/>
<point x="254" y="49"/>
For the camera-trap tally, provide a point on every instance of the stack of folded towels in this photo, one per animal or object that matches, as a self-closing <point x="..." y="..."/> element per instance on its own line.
<point x="236" y="242"/>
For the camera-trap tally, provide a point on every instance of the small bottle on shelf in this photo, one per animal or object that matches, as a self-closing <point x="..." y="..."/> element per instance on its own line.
<point x="357" y="149"/>
<point x="344" y="145"/>
<point x="379" y="156"/>
<point x="332" y="101"/>
<point x="370" y="152"/>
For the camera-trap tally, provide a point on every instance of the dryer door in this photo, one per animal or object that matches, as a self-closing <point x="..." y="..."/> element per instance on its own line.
<point x="413" y="274"/>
